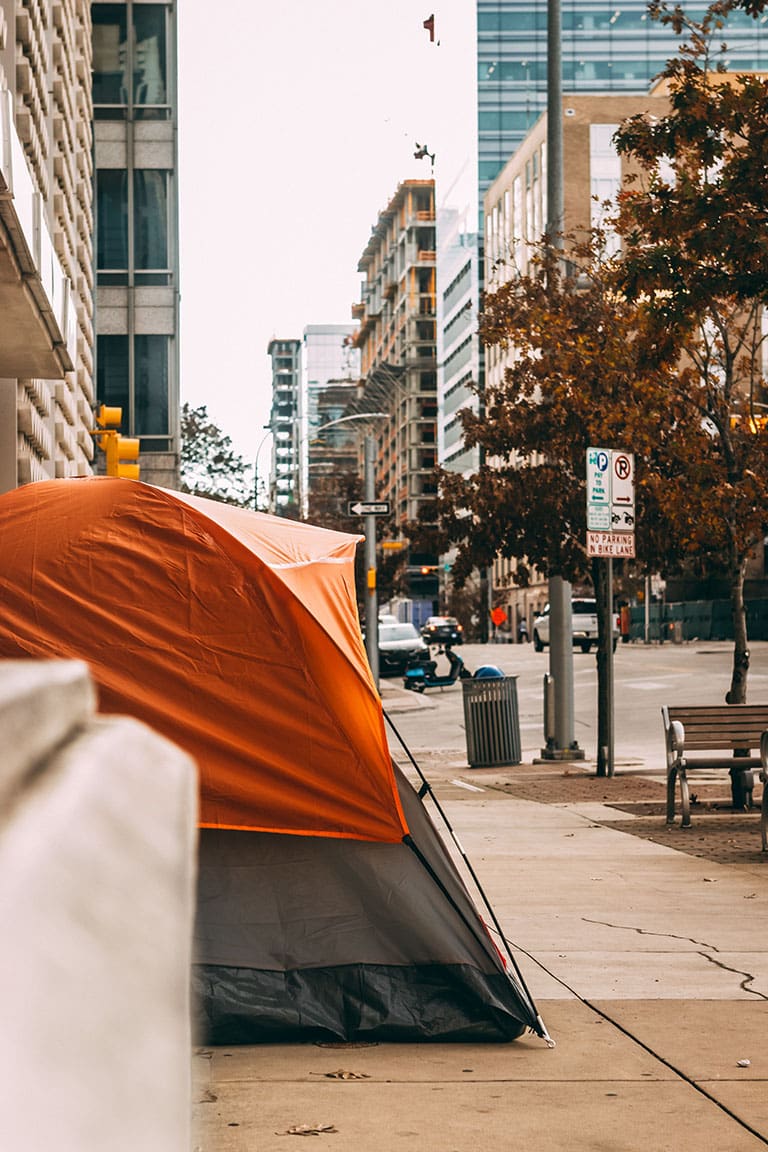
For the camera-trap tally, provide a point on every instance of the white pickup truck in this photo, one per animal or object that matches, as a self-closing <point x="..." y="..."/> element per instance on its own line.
<point x="584" y="617"/>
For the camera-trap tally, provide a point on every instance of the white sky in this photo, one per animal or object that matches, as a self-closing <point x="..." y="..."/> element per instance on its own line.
<point x="297" y="121"/>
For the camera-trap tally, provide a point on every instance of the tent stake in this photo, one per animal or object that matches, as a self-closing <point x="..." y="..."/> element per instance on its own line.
<point x="426" y="788"/>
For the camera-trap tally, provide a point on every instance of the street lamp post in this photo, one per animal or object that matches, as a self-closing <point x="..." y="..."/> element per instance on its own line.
<point x="262" y="442"/>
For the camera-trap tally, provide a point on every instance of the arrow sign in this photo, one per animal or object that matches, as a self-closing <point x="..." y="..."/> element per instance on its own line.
<point x="371" y="508"/>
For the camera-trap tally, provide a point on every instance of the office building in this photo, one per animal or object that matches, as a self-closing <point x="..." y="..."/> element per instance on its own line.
<point x="605" y="49"/>
<point x="397" y="342"/>
<point x="137" y="267"/>
<point x="327" y="354"/>
<point x="46" y="277"/>
<point x="284" y="422"/>
<point x="459" y="355"/>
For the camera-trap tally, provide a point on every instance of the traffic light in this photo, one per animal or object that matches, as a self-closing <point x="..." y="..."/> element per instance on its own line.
<point x="119" y="450"/>
<point x="422" y="580"/>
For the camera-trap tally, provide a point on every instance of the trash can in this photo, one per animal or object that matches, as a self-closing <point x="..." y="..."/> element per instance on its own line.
<point x="491" y="721"/>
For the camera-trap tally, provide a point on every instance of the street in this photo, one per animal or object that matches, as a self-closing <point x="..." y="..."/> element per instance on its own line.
<point x="645" y="678"/>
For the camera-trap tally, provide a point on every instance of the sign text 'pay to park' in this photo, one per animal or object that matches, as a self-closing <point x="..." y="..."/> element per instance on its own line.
<point x="610" y="502"/>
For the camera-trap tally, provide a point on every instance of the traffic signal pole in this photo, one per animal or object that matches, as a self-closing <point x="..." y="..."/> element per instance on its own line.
<point x="371" y="593"/>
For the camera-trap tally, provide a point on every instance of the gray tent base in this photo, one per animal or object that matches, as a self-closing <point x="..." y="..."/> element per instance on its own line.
<point x="436" y="1002"/>
<point x="312" y="937"/>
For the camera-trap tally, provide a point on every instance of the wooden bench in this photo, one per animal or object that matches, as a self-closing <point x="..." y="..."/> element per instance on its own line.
<point x="736" y="731"/>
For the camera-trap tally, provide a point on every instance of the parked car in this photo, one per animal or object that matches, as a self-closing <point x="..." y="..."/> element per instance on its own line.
<point x="442" y="630"/>
<point x="584" y="623"/>
<point x="399" y="644"/>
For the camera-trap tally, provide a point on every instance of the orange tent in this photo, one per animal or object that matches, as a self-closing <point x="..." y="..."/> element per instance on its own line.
<point x="233" y="633"/>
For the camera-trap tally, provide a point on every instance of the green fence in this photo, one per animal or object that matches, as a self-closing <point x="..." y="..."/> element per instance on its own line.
<point x="698" y="620"/>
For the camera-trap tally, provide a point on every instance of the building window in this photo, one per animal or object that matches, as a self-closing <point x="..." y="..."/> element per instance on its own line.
<point x="149" y="66"/>
<point x="150" y="220"/>
<point x="112" y="220"/>
<point x="109" y="54"/>
<point x="112" y="374"/>
<point x="151" y="385"/>
<point x="142" y="72"/>
<point x="149" y="414"/>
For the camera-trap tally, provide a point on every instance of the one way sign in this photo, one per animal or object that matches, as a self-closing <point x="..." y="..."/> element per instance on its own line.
<point x="370" y="508"/>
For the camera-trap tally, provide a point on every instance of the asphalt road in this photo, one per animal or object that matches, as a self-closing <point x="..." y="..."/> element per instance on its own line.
<point x="645" y="678"/>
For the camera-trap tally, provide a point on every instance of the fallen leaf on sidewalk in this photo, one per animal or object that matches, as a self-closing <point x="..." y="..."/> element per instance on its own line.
<point x="207" y="1097"/>
<point x="743" y="1063"/>
<point x="307" y="1130"/>
<point x="341" y="1074"/>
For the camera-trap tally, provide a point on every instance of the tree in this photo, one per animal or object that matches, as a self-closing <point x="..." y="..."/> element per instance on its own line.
<point x="696" y="252"/>
<point x="579" y="374"/>
<point x="209" y="465"/>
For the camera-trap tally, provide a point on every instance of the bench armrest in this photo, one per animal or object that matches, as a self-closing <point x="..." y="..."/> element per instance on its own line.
<point x="676" y="744"/>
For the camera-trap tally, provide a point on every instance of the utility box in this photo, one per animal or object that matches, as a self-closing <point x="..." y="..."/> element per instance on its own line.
<point x="491" y="721"/>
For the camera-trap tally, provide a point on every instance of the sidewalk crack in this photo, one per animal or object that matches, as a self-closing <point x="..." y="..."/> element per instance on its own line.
<point x="647" y="932"/>
<point x="748" y="977"/>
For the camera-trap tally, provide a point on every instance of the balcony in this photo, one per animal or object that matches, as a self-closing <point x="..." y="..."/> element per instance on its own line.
<point x="35" y="296"/>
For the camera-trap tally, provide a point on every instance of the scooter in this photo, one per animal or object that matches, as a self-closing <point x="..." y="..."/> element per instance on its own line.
<point x="424" y="675"/>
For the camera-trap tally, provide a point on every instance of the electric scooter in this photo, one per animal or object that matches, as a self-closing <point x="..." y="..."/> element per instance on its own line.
<point x="424" y="675"/>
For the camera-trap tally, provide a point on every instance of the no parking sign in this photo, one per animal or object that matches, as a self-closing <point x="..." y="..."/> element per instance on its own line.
<point x="610" y="502"/>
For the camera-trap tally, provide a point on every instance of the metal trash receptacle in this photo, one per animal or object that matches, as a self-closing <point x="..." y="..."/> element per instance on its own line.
<point x="491" y="722"/>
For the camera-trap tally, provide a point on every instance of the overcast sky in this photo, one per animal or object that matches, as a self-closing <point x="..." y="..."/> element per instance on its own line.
<point x="296" y="124"/>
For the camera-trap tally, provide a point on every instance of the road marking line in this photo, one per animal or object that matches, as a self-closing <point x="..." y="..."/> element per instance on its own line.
<point x="469" y="787"/>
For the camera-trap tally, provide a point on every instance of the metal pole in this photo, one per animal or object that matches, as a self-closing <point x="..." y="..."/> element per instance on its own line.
<point x="561" y="670"/>
<point x="561" y="628"/>
<point x="610" y="764"/>
<point x="555" y="211"/>
<point x="647" y="608"/>
<point x="371" y="594"/>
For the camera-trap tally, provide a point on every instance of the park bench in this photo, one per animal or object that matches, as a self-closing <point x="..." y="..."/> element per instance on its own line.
<point x="732" y="730"/>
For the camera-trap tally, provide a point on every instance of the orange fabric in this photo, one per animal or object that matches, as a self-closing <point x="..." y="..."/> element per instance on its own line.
<point x="233" y="633"/>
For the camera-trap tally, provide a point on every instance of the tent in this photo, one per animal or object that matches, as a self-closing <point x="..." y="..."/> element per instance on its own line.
<point x="329" y="907"/>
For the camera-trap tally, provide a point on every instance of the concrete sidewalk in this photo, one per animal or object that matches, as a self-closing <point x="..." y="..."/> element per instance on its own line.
<point x="648" y="965"/>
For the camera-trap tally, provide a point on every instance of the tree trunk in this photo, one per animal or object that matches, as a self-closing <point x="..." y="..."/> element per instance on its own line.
<point x="604" y="620"/>
<point x="737" y="694"/>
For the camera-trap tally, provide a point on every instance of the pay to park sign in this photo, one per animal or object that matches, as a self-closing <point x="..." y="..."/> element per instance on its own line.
<point x="610" y="503"/>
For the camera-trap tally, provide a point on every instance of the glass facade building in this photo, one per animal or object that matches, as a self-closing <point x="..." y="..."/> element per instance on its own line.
<point x="137" y="276"/>
<point x="606" y="47"/>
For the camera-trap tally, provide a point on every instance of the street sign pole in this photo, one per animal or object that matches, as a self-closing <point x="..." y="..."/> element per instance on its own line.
<point x="609" y="726"/>
<point x="610" y="532"/>
<point x="371" y="593"/>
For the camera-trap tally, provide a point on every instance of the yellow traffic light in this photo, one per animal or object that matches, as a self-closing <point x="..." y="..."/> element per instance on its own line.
<point x="120" y="449"/>
<point x="109" y="417"/>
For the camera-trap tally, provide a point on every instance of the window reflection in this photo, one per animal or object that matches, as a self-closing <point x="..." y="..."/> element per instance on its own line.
<point x="112" y="374"/>
<point x="112" y="218"/>
<point x="109" y="54"/>
<point x="150" y="218"/>
<point x="112" y="77"/>
<point x="151" y="385"/>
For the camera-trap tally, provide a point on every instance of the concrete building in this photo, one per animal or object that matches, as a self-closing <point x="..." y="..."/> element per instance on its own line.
<point x="284" y="422"/>
<point x="46" y="222"/>
<point x="137" y="277"/>
<point x="515" y="203"/>
<point x="397" y="342"/>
